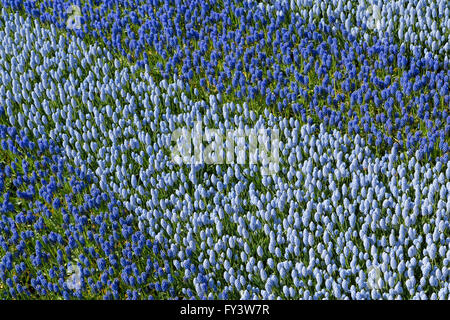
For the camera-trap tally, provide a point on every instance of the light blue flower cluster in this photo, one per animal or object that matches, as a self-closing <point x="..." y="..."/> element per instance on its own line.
<point x="336" y="220"/>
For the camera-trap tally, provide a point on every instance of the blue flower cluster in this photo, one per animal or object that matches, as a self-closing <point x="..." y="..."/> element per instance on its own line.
<point x="53" y="217"/>
<point x="92" y="204"/>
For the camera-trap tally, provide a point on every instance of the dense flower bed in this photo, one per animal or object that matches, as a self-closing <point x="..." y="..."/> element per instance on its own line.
<point x="319" y="61"/>
<point x="93" y="204"/>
